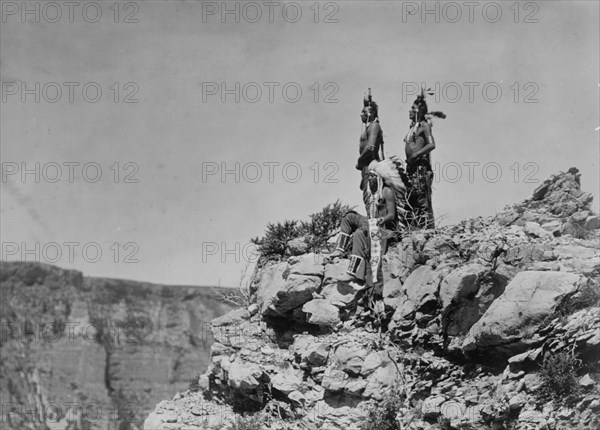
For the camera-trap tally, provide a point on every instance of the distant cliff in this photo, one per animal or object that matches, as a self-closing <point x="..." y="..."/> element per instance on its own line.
<point x="93" y="353"/>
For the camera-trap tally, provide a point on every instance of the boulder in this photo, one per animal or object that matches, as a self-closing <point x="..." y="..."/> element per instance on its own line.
<point x="310" y="350"/>
<point x="233" y="317"/>
<point x="308" y="264"/>
<point x="295" y="292"/>
<point x="432" y="406"/>
<point x="372" y="362"/>
<point x="466" y="293"/>
<point x="287" y="379"/>
<point x="297" y="246"/>
<point x="340" y="294"/>
<point x="321" y="312"/>
<point x="349" y="358"/>
<point x="238" y="334"/>
<point x="574" y="251"/>
<point x="422" y="285"/>
<point x="382" y="379"/>
<point x="392" y="270"/>
<point x="336" y="271"/>
<point x="512" y="320"/>
<point x="555" y="227"/>
<point x="270" y="282"/>
<point x="244" y="375"/>
<point x="592" y="222"/>
<point x="535" y="230"/>
<point x="460" y="284"/>
<point x="334" y="380"/>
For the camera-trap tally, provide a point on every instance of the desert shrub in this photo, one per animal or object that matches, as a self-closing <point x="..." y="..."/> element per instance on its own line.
<point x="276" y="238"/>
<point x="383" y="415"/>
<point x="241" y="296"/>
<point x="587" y="297"/>
<point x="247" y="422"/>
<point x="324" y="224"/>
<point x="194" y="385"/>
<point x="559" y="376"/>
<point x="316" y="232"/>
<point x="445" y="423"/>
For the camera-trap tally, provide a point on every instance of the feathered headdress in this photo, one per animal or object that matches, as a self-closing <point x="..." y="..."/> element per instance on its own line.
<point x="389" y="170"/>
<point x="420" y="101"/>
<point x="368" y="102"/>
<point x="423" y="112"/>
<point x="391" y="173"/>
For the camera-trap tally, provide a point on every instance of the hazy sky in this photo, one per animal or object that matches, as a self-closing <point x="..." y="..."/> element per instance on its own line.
<point x="179" y="218"/>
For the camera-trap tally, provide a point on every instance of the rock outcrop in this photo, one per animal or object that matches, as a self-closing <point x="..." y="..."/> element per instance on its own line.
<point x="469" y="314"/>
<point x="92" y="353"/>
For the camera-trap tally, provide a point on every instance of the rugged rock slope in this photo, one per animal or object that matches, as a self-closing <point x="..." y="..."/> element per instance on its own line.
<point x="470" y="314"/>
<point x="92" y="353"/>
<point x="470" y="311"/>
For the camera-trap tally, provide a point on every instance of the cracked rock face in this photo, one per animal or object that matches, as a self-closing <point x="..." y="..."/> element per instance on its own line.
<point x="100" y="343"/>
<point x="469" y="314"/>
<point x="516" y="315"/>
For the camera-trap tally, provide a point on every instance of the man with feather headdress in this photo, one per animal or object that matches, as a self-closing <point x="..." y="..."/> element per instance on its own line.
<point x="370" y="143"/>
<point x="371" y="235"/>
<point x="419" y="143"/>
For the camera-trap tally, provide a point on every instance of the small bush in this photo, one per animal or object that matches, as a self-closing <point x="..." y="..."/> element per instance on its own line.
<point x="316" y="232"/>
<point x="194" y="385"/>
<point x="587" y="297"/>
<point x="248" y="422"/>
<point x="559" y="376"/>
<point x="276" y="238"/>
<point x="383" y="415"/>
<point x="324" y="224"/>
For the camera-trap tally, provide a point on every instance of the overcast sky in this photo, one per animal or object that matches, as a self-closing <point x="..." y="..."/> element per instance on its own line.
<point x="180" y="217"/>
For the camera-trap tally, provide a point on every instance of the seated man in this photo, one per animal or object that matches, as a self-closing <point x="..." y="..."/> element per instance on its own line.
<point x="386" y="191"/>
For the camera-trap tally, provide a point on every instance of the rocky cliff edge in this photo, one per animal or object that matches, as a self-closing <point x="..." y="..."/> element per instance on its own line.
<point x="493" y="323"/>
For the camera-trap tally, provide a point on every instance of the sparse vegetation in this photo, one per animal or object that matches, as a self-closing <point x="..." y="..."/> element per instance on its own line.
<point x="587" y="297"/>
<point x="194" y="385"/>
<point x="383" y="415"/>
<point x="276" y="238"/>
<point x="444" y="423"/>
<point x="324" y="225"/>
<point x="239" y="297"/>
<point x="316" y="232"/>
<point x="247" y="422"/>
<point x="559" y="376"/>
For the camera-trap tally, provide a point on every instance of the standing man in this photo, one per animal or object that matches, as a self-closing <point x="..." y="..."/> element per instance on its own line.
<point x="419" y="143"/>
<point x="371" y="142"/>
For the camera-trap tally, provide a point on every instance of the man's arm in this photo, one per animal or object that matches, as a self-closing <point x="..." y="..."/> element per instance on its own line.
<point x="390" y="205"/>
<point x="372" y="146"/>
<point x="429" y="142"/>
